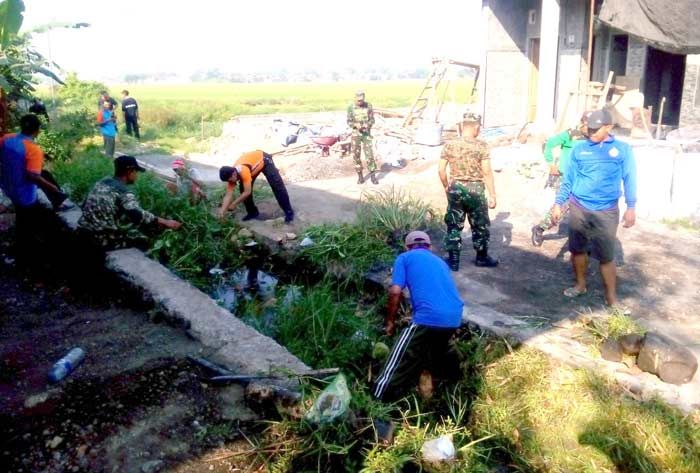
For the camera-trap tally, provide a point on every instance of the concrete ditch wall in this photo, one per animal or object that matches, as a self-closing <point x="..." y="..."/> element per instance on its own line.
<point x="235" y="345"/>
<point x="238" y="346"/>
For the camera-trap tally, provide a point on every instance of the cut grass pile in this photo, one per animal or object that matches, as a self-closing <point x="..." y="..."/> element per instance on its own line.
<point x="549" y="417"/>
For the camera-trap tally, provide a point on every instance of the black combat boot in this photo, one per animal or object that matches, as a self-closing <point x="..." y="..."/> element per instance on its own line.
<point x="373" y="178"/>
<point x="452" y="260"/>
<point x="360" y="179"/>
<point x="484" y="260"/>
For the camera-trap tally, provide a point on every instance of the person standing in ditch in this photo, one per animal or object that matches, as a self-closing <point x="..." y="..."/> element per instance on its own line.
<point x="470" y="175"/>
<point x="562" y="143"/>
<point x="422" y="348"/>
<point x="107" y="121"/>
<point x="112" y="217"/>
<point x="598" y="169"/>
<point x="130" y="108"/>
<point x="244" y="172"/>
<point x="361" y="119"/>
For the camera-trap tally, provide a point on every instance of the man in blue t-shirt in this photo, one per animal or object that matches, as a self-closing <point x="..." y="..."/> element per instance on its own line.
<point x="598" y="169"/>
<point x="437" y="313"/>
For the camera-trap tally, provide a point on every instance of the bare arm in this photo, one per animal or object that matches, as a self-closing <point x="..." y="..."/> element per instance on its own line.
<point x="247" y="190"/>
<point x="392" y="308"/>
<point x="228" y="198"/>
<point x="42" y="183"/>
<point x="488" y="180"/>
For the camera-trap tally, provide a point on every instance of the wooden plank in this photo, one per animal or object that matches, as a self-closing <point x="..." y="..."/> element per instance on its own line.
<point x="604" y="94"/>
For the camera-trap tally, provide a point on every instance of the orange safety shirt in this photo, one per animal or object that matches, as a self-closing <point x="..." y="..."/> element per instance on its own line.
<point x="248" y="166"/>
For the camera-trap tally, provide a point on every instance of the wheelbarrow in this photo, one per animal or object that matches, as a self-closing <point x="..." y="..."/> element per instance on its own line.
<point x="325" y="143"/>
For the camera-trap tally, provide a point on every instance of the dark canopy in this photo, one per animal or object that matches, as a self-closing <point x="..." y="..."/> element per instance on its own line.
<point x="672" y="26"/>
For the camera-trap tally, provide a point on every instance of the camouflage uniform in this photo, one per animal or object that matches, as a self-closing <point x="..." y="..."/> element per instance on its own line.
<point x="361" y="119"/>
<point x="113" y="218"/>
<point x="465" y="195"/>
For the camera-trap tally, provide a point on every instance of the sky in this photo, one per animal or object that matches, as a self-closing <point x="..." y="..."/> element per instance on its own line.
<point x="152" y="36"/>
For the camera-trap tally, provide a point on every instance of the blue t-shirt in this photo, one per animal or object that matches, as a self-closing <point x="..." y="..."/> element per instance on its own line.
<point x="595" y="174"/>
<point x="14" y="151"/>
<point x="434" y="296"/>
<point x="107" y="126"/>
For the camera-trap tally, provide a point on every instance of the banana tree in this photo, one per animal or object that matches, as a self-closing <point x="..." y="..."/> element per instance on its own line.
<point x="11" y="16"/>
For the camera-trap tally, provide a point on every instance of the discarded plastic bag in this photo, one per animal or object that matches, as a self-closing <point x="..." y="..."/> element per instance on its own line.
<point x="332" y="403"/>
<point x="439" y="450"/>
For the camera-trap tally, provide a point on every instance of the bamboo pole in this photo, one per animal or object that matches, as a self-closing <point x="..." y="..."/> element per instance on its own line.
<point x="658" y="122"/>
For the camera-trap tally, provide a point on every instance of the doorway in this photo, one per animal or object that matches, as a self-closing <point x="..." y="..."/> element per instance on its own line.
<point x="663" y="77"/>
<point x="618" y="54"/>
<point x="534" y="57"/>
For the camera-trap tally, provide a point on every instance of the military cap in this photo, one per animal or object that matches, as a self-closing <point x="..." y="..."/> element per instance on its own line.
<point x="360" y="93"/>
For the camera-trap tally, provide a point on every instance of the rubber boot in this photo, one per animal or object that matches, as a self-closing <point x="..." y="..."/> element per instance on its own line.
<point x="453" y="260"/>
<point x="373" y="178"/>
<point x="360" y="179"/>
<point x="484" y="260"/>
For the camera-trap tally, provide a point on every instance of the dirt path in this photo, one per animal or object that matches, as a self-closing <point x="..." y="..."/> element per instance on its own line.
<point x="136" y="404"/>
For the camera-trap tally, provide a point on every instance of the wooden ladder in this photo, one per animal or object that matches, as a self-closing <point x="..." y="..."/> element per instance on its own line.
<point x="427" y="94"/>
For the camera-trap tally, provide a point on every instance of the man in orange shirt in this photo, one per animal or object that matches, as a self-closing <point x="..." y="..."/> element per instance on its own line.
<point x="244" y="172"/>
<point x="21" y="174"/>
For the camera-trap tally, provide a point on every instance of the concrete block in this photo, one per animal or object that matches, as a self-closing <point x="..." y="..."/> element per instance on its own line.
<point x="238" y="346"/>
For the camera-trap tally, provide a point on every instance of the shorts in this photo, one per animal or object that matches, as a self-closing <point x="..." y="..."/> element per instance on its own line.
<point x="594" y="231"/>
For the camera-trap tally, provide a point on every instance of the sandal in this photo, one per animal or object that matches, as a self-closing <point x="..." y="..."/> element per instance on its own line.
<point x="574" y="292"/>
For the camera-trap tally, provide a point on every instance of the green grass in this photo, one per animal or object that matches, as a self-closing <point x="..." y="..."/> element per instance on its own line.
<point x="347" y="251"/>
<point x="172" y="115"/>
<point x="393" y="213"/>
<point x="549" y="417"/>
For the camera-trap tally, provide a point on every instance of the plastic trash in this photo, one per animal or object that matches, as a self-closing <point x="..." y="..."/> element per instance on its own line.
<point x="66" y="365"/>
<point x="306" y="242"/>
<point x="226" y="297"/>
<point x="292" y="295"/>
<point x="439" y="450"/>
<point x="332" y="403"/>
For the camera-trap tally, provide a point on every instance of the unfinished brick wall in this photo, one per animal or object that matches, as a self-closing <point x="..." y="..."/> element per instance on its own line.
<point x="690" y="104"/>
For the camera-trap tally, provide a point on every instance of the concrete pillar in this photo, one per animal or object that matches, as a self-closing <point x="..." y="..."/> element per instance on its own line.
<point x="547" y="76"/>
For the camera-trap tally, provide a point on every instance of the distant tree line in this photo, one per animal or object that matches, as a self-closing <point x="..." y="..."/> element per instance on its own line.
<point x="283" y="75"/>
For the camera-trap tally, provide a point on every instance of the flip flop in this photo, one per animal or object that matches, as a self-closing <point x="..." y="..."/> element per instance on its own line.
<point x="573" y="292"/>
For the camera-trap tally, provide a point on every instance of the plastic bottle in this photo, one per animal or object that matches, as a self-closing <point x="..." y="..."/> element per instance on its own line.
<point x="66" y="365"/>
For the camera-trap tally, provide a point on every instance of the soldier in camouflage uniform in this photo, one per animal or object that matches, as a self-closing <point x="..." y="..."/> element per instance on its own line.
<point x="470" y="174"/>
<point x="361" y="119"/>
<point x="112" y="217"/>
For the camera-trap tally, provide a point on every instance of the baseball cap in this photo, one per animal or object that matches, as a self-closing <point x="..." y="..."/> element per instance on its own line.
<point x="417" y="236"/>
<point x="360" y="93"/>
<point x="124" y="163"/>
<point x="178" y="164"/>
<point x="599" y="118"/>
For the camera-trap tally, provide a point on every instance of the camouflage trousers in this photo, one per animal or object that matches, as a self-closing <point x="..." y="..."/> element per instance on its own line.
<point x="359" y="142"/>
<point x="467" y="200"/>
<point x="547" y="221"/>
